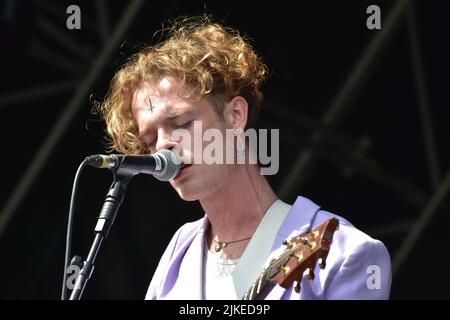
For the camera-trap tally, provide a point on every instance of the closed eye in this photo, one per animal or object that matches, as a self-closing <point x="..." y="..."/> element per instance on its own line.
<point x="186" y="125"/>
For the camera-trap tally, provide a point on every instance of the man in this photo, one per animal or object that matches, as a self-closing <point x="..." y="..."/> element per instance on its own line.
<point x="206" y="74"/>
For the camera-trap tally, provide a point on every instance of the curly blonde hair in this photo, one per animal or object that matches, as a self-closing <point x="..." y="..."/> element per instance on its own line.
<point x="214" y="60"/>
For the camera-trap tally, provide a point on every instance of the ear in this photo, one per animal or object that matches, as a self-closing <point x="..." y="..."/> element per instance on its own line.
<point x="236" y="113"/>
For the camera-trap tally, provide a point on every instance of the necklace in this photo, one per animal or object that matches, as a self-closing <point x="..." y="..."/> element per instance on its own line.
<point x="222" y="244"/>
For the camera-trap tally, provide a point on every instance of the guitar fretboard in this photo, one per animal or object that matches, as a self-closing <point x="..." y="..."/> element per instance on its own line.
<point x="263" y="283"/>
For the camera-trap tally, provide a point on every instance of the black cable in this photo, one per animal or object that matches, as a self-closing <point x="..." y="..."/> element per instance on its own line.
<point x="69" y="229"/>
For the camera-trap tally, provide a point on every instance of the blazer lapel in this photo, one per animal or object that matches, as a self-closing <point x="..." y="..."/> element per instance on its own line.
<point x="300" y="218"/>
<point x="189" y="280"/>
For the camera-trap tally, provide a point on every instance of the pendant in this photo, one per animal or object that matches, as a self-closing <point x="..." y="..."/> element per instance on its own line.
<point x="219" y="246"/>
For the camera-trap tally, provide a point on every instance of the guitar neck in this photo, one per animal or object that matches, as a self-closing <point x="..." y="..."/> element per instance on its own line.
<point x="263" y="284"/>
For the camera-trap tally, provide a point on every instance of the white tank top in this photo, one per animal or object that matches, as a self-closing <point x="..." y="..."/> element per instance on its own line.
<point x="217" y="277"/>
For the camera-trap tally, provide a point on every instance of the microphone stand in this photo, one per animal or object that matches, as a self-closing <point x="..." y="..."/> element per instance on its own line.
<point x="106" y="219"/>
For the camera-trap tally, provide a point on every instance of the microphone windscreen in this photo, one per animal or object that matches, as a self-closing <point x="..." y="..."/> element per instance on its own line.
<point x="172" y="165"/>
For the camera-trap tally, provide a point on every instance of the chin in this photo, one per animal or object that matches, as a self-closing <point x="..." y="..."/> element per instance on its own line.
<point x="187" y="197"/>
<point x="196" y="187"/>
<point x="187" y="193"/>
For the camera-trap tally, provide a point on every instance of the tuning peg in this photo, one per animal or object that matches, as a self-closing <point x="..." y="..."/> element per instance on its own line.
<point x="297" y="286"/>
<point x="310" y="244"/>
<point x="310" y="274"/>
<point x="288" y="244"/>
<point x="322" y="263"/>
<point x="299" y="257"/>
<point x="284" y="269"/>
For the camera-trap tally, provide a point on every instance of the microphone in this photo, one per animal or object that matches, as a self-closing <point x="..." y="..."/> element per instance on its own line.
<point x="163" y="165"/>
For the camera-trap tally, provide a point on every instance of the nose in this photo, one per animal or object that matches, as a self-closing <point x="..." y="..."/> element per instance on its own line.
<point x="164" y="140"/>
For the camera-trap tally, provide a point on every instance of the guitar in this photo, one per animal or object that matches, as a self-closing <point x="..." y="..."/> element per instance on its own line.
<point x="302" y="253"/>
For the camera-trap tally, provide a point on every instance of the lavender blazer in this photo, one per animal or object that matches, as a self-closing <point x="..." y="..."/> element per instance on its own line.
<point x="357" y="267"/>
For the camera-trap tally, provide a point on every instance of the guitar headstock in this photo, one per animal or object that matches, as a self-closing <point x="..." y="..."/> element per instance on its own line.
<point x="302" y="253"/>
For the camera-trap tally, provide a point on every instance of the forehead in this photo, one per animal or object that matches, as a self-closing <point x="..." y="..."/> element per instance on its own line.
<point x="155" y="92"/>
<point x="165" y="86"/>
<point x="158" y="98"/>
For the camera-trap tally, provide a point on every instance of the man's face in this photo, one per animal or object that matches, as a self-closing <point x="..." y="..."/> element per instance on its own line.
<point x="159" y="110"/>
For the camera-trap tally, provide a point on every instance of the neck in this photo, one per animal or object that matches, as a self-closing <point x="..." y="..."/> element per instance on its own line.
<point x="236" y="208"/>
